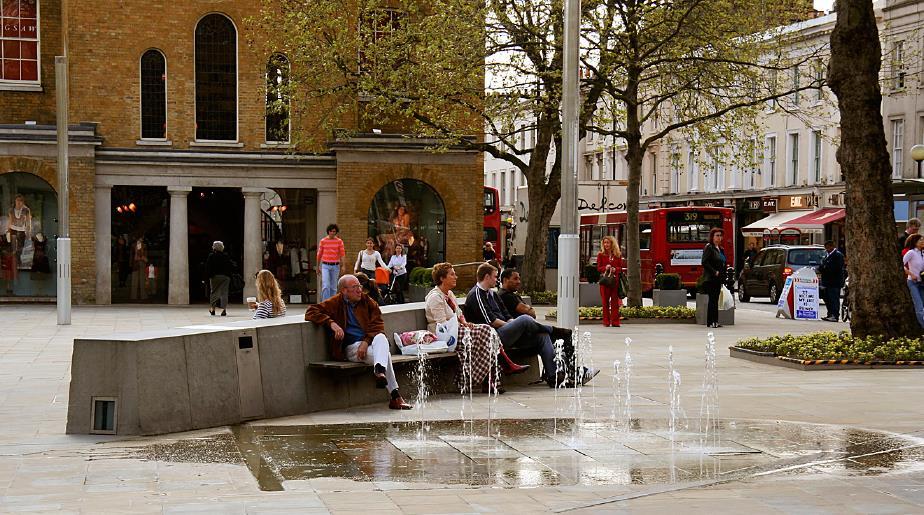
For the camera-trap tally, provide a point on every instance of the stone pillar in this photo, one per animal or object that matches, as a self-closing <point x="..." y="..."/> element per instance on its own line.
<point x="103" y="244"/>
<point x="327" y="214"/>
<point x="178" y="271"/>
<point x="253" y="243"/>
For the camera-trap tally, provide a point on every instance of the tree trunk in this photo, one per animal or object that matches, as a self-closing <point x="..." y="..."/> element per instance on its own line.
<point x="541" y="207"/>
<point x="633" y="254"/>
<point x="880" y="300"/>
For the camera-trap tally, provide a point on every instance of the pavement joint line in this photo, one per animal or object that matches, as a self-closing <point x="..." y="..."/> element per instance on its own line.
<point x="742" y="477"/>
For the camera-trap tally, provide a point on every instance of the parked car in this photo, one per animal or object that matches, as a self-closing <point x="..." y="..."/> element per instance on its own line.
<point x="766" y="275"/>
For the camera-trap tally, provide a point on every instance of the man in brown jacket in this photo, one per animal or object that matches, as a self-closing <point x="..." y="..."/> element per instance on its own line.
<point x="357" y="326"/>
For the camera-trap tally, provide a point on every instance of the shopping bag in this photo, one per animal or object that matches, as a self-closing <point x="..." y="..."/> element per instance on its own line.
<point x="448" y="332"/>
<point x="726" y="301"/>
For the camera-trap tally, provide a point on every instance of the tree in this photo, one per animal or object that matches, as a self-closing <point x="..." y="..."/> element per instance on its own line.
<point x="689" y="69"/>
<point x="451" y="68"/>
<point x="880" y="302"/>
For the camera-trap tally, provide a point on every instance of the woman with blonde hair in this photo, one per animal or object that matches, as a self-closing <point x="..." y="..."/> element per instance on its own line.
<point x="269" y="296"/>
<point x="610" y="266"/>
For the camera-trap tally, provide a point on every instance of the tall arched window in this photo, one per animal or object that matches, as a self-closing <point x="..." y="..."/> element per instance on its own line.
<point x="153" y="95"/>
<point x="216" y="79"/>
<point x="277" y="99"/>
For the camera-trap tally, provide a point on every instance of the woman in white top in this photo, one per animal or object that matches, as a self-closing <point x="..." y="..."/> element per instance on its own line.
<point x="269" y="297"/>
<point x="914" y="266"/>
<point x="477" y="361"/>
<point x="367" y="259"/>
<point x="398" y="266"/>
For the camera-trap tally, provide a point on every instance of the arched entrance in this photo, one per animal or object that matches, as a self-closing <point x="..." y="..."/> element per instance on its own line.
<point x="28" y="233"/>
<point x="409" y="212"/>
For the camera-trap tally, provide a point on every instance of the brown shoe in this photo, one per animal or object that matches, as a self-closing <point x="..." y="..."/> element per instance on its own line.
<point x="398" y="403"/>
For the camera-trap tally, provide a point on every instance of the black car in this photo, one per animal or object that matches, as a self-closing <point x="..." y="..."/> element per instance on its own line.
<point x="766" y="274"/>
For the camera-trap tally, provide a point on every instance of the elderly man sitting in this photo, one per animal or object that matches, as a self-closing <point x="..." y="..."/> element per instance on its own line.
<point x="357" y="325"/>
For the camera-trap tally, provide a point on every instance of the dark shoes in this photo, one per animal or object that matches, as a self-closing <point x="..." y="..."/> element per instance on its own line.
<point x="398" y="403"/>
<point x="212" y="311"/>
<point x="714" y="325"/>
<point x="224" y="313"/>
<point x="380" y="380"/>
<point x="830" y="319"/>
<point x="559" y="333"/>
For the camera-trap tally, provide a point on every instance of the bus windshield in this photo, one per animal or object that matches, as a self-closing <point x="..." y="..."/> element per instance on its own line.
<point x="691" y="226"/>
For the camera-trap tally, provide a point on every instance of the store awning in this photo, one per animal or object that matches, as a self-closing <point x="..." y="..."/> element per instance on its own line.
<point x="774" y="221"/>
<point x="816" y="220"/>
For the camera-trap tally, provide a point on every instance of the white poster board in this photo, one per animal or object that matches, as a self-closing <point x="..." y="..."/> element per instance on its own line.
<point x="805" y="300"/>
<point x="688" y="257"/>
<point x="782" y="305"/>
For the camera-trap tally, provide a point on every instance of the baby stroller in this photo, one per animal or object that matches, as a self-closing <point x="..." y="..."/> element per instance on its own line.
<point x="387" y="283"/>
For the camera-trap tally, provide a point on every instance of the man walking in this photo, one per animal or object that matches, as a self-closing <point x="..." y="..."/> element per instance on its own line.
<point x="832" y="280"/>
<point x="329" y="258"/>
<point x="912" y="227"/>
<point x="357" y="326"/>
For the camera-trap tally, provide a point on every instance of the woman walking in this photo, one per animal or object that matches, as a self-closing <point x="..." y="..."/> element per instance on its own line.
<point x="367" y="260"/>
<point x="219" y="270"/>
<point x="441" y="306"/>
<point x="398" y="266"/>
<point x="914" y="266"/>
<point x="713" y="270"/>
<point x="610" y="264"/>
<point x="269" y="297"/>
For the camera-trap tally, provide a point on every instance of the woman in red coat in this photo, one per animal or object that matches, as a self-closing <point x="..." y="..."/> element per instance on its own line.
<point x="609" y="262"/>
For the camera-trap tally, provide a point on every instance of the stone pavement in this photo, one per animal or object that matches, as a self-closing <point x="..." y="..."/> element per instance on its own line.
<point x="44" y="470"/>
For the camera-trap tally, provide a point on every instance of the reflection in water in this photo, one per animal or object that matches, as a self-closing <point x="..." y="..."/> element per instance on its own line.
<point x="532" y="453"/>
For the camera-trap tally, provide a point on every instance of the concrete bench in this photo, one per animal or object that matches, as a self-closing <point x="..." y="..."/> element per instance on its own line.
<point x="204" y="376"/>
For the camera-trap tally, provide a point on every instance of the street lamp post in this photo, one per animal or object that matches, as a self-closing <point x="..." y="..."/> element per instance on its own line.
<point x="568" y="240"/>
<point x="917" y="153"/>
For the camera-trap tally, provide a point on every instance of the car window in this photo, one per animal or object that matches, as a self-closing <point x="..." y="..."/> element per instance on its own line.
<point x="806" y="257"/>
<point x="760" y="258"/>
<point x="779" y="257"/>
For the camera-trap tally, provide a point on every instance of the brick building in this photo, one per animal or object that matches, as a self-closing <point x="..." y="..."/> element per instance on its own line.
<point x="177" y="140"/>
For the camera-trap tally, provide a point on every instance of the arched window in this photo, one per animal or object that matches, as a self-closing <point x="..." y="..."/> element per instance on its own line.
<point x="216" y="79"/>
<point x="410" y="213"/>
<point x="153" y="95"/>
<point x="277" y="99"/>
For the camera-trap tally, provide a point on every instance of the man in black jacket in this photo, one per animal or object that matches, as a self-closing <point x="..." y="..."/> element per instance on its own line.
<point x="832" y="280"/>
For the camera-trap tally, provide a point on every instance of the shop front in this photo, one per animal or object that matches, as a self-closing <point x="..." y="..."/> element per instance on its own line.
<point x="28" y="234"/>
<point x="409" y="213"/>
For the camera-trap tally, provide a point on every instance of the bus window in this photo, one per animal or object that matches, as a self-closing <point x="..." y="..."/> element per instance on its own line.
<point x="644" y="236"/>
<point x="691" y="226"/>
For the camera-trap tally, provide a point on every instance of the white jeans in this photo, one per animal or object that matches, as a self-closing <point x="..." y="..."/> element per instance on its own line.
<point x="378" y="353"/>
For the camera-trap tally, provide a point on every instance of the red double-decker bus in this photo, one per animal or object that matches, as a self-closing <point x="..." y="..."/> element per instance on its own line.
<point x="673" y="237"/>
<point x="492" y="219"/>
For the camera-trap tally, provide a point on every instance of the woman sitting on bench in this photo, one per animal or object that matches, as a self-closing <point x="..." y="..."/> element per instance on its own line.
<point x="441" y="306"/>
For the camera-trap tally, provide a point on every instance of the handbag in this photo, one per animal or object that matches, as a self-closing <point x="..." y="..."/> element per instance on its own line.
<point x="623" y="286"/>
<point x="607" y="280"/>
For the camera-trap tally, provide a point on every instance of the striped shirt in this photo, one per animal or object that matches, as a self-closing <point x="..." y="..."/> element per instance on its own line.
<point x="265" y="310"/>
<point x="330" y="250"/>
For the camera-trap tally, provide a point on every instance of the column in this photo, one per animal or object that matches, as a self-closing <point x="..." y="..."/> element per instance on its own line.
<point x="327" y="213"/>
<point x="253" y="243"/>
<point x="103" y="208"/>
<point x="178" y="271"/>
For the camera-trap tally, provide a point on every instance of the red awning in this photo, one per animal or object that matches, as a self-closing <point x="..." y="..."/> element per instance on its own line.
<point x="816" y="220"/>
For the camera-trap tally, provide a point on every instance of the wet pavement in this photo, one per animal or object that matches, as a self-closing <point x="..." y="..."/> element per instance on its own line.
<point x="542" y="452"/>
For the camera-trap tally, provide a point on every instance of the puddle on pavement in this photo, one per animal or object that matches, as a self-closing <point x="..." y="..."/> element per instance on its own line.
<point x="525" y="453"/>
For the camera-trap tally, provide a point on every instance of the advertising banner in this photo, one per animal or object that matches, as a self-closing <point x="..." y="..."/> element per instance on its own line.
<point x="805" y="282"/>
<point x="688" y="257"/>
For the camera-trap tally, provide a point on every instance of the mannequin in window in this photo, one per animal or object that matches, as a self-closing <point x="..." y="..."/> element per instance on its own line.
<point x="20" y="226"/>
<point x="40" y="262"/>
<point x="7" y="261"/>
<point x="139" y="270"/>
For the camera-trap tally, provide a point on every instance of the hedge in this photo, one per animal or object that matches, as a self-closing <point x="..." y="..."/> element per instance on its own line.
<point x="829" y="345"/>
<point x="666" y="312"/>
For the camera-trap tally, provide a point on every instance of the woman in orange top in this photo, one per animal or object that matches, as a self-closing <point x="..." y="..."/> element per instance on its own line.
<point x="609" y="261"/>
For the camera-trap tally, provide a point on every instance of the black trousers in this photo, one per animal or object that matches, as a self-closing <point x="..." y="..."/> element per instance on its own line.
<point x="712" y="307"/>
<point x="832" y="298"/>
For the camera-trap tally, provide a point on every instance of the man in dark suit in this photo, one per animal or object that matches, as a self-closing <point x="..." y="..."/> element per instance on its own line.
<point x="832" y="280"/>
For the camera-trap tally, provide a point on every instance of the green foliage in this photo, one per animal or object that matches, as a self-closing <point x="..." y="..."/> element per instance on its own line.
<point x="542" y="297"/>
<point x="668" y="312"/>
<point x="699" y="284"/>
<point x="421" y="276"/>
<point x="830" y="345"/>
<point x="591" y="274"/>
<point x="667" y="282"/>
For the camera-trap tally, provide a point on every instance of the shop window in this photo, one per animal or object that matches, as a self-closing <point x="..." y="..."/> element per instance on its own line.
<point x="277" y="99"/>
<point x="28" y="224"/>
<point x="140" y="244"/>
<point x="410" y="213"/>
<point x="19" y="41"/>
<point x="216" y="79"/>
<point x="153" y="95"/>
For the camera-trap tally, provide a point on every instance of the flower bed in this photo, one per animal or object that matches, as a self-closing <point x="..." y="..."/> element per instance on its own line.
<point x="830" y="348"/>
<point x="542" y="298"/>
<point x="643" y="312"/>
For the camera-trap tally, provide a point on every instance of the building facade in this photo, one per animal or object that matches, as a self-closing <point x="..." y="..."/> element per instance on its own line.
<point x="180" y="136"/>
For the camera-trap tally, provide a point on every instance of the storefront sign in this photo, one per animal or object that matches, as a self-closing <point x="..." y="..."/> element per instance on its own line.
<point x="769" y="204"/>
<point x="746" y="204"/>
<point x="796" y="202"/>
<point x="604" y="204"/>
<point x="686" y="257"/>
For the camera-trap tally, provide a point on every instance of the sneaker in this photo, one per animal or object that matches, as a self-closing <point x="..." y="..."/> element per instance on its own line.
<point x="589" y="374"/>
